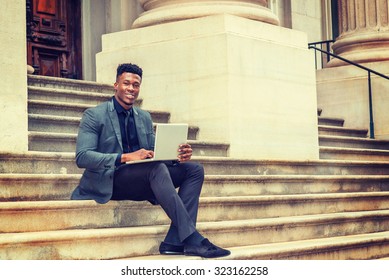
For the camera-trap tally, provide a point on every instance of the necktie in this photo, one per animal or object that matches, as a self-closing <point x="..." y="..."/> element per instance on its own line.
<point x="127" y="137"/>
<point x="132" y="137"/>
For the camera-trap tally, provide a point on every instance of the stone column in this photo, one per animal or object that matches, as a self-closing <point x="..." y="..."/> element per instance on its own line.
<point x="162" y="11"/>
<point x="343" y="91"/>
<point x="364" y="31"/>
<point x="13" y="82"/>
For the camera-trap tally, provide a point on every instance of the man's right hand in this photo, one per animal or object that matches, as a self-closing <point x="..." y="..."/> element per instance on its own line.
<point x="137" y="155"/>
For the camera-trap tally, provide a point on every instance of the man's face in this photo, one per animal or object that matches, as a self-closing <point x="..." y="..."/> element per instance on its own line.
<point x="127" y="89"/>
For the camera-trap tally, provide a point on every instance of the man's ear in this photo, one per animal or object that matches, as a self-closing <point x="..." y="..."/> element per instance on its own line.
<point x="115" y="86"/>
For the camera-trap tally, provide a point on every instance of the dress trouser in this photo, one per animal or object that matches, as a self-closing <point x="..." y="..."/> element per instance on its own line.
<point x="157" y="182"/>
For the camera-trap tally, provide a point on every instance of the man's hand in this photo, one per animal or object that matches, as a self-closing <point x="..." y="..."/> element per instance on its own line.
<point x="137" y="155"/>
<point x="185" y="151"/>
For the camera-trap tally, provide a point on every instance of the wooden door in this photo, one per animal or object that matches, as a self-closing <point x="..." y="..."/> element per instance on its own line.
<point x="54" y="37"/>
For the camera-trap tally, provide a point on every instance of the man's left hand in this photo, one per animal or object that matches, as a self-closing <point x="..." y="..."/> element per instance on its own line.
<point x="185" y="151"/>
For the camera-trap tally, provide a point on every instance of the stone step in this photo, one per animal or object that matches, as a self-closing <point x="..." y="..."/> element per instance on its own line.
<point x="66" y="109"/>
<point x="254" y="185"/>
<point x="313" y="234"/>
<point x="342" y="131"/>
<point x="325" y="121"/>
<point x="69" y="84"/>
<point x="229" y="166"/>
<point x="66" y="124"/>
<point x="66" y="95"/>
<point x="353" y="154"/>
<point x="30" y="216"/>
<point x="353" y="142"/>
<point x="53" y="124"/>
<point x="64" y="163"/>
<point x="56" y="108"/>
<point x="66" y="142"/>
<point x="352" y="247"/>
<point x="38" y="187"/>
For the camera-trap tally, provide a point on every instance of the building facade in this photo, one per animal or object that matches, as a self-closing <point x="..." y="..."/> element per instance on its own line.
<point x="217" y="58"/>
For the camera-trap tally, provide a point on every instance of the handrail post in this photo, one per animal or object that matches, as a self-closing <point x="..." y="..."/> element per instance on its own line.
<point x="369" y="71"/>
<point x="372" y="136"/>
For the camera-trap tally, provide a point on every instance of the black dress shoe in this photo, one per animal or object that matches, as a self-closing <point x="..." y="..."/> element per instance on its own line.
<point x="168" y="249"/>
<point x="205" y="250"/>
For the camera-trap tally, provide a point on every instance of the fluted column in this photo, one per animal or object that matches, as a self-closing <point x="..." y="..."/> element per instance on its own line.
<point x="163" y="11"/>
<point x="364" y="31"/>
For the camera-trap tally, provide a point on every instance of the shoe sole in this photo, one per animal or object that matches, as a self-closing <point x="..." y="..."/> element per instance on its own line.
<point x="195" y="255"/>
<point x="171" y="253"/>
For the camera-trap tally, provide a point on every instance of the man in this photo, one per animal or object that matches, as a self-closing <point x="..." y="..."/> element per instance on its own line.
<point x="116" y="132"/>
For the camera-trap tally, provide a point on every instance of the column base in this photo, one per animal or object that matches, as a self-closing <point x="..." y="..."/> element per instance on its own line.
<point x="197" y="9"/>
<point x="361" y="48"/>
<point x="243" y="82"/>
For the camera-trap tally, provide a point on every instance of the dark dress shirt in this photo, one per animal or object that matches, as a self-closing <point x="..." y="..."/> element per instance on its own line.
<point x="130" y="141"/>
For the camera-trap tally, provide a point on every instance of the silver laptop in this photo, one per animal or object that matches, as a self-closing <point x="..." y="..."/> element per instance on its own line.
<point x="168" y="137"/>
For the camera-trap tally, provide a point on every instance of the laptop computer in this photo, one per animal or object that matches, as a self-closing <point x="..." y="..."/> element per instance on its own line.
<point x="168" y="137"/>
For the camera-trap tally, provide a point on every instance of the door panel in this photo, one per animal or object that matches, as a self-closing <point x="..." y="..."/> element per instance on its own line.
<point x="54" y="37"/>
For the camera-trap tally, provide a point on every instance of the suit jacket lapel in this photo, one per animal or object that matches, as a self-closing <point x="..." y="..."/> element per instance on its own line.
<point x="115" y="122"/>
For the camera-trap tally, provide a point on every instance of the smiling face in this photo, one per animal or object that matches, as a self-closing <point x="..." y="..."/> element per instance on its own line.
<point x="127" y="89"/>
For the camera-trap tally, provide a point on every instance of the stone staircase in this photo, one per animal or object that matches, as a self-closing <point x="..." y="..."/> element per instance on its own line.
<point x="333" y="208"/>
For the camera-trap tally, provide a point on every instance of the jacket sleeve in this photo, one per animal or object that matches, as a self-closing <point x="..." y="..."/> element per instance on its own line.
<point x="89" y="153"/>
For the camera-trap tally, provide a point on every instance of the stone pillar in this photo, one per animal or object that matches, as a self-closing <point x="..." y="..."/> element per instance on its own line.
<point x="226" y="67"/>
<point x="364" y="31"/>
<point x="13" y="82"/>
<point x="343" y="90"/>
<point x="163" y="11"/>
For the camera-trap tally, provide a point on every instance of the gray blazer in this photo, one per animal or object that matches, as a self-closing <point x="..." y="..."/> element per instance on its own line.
<point x="99" y="142"/>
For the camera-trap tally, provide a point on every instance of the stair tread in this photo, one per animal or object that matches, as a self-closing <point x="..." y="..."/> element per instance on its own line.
<point x="57" y="235"/>
<point x="60" y="104"/>
<point x="70" y="156"/>
<point x="32" y="176"/>
<point x="44" y="116"/>
<point x="354" y="150"/>
<point x="83" y="93"/>
<point x="55" y="80"/>
<point x="54" y="118"/>
<point x="74" y="136"/>
<point x="289" y="248"/>
<point x="343" y="129"/>
<point x="74" y="204"/>
<point x="331" y="118"/>
<point x="353" y="139"/>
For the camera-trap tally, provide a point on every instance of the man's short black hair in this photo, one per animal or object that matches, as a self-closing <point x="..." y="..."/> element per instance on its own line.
<point x="128" y="68"/>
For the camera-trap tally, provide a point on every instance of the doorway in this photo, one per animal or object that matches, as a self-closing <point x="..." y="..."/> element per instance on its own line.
<point x="54" y="37"/>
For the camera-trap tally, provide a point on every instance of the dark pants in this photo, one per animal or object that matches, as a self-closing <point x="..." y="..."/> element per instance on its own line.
<point x="156" y="181"/>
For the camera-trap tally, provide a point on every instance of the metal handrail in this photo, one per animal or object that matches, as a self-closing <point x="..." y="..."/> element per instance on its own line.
<point x="327" y="45"/>
<point x="369" y="72"/>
